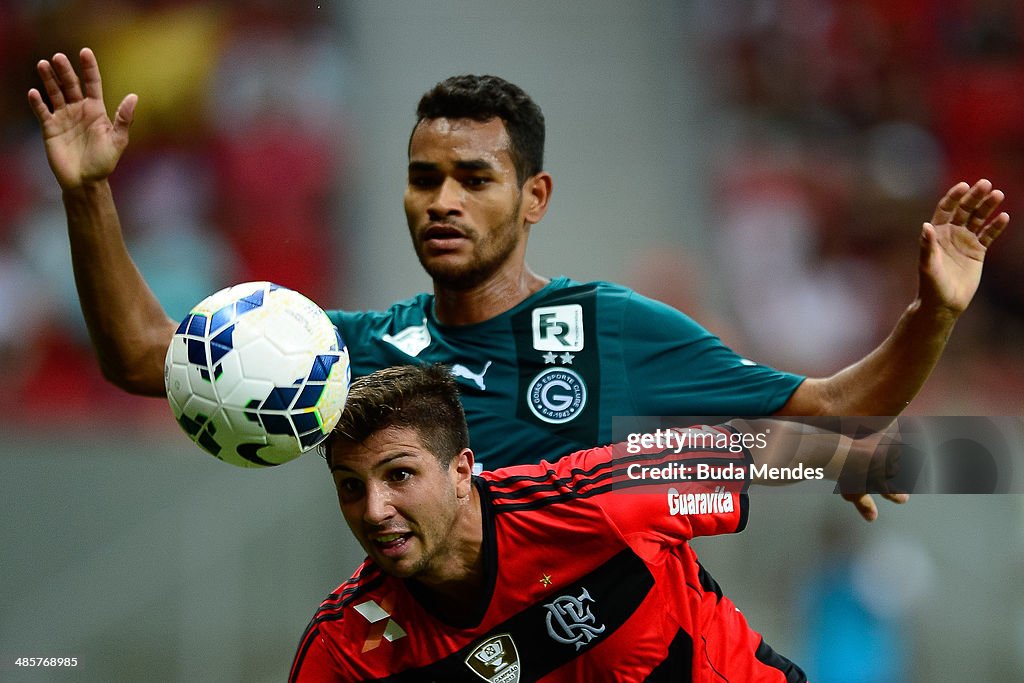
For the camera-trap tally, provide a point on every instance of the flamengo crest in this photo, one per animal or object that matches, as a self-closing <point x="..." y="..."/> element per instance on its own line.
<point x="570" y="620"/>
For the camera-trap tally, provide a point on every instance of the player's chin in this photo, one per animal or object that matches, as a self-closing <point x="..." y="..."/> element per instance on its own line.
<point x="454" y="272"/>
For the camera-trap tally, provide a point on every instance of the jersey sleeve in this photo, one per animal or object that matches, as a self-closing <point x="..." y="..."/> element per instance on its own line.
<point x="380" y="339"/>
<point x="313" y="663"/>
<point x="661" y="495"/>
<point x="676" y="367"/>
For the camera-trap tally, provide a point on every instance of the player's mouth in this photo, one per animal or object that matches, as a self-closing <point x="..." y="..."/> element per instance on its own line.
<point x="391" y="545"/>
<point x="442" y="236"/>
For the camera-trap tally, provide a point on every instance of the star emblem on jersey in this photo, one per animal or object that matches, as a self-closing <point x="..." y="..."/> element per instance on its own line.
<point x="545" y="579"/>
<point x="567" y="358"/>
<point x="495" y="660"/>
<point x="550" y="358"/>
<point x="383" y="626"/>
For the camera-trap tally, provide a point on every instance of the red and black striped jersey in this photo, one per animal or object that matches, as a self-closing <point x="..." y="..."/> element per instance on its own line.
<point x="589" y="577"/>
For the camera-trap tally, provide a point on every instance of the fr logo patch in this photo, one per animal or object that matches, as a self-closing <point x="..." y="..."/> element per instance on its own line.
<point x="558" y="328"/>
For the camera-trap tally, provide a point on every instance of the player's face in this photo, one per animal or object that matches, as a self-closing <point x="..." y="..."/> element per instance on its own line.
<point x="463" y="202"/>
<point x="400" y="504"/>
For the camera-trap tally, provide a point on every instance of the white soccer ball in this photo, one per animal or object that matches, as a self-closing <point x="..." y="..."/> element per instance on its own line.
<point x="257" y="374"/>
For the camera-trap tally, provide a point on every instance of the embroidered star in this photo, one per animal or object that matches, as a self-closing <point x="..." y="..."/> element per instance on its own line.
<point x="567" y="358"/>
<point x="550" y="358"/>
<point x="545" y="579"/>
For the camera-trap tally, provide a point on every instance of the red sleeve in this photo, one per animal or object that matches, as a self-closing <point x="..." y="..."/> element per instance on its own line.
<point x="313" y="663"/>
<point x="670" y="490"/>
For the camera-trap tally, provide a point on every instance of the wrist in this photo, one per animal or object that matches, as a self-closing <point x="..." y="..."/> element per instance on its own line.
<point x="929" y="308"/>
<point x="85" y="191"/>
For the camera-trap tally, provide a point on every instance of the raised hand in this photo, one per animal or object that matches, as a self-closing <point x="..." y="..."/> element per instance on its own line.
<point x="954" y="243"/>
<point x="82" y="144"/>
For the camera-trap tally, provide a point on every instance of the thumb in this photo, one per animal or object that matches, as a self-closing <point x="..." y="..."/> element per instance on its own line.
<point x="125" y="114"/>
<point x="928" y="242"/>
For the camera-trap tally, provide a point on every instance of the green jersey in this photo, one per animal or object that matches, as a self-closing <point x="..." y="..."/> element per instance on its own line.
<point x="546" y="377"/>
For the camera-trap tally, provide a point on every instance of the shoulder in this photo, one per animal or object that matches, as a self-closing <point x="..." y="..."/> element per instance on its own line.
<point x="577" y="475"/>
<point x="411" y="311"/>
<point x="328" y="640"/>
<point x="347" y="597"/>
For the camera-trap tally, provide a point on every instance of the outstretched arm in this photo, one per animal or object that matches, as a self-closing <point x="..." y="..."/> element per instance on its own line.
<point x="860" y="465"/>
<point x="128" y="327"/>
<point x="953" y="246"/>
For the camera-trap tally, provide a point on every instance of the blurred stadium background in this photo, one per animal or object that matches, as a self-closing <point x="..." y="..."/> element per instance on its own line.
<point x="763" y="165"/>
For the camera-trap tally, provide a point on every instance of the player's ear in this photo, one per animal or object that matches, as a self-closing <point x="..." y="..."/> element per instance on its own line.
<point x="536" y="195"/>
<point x="462" y="470"/>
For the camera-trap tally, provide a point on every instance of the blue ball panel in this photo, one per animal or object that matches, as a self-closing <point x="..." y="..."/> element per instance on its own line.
<point x="305" y="422"/>
<point x="276" y="424"/>
<point x="310" y="395"/>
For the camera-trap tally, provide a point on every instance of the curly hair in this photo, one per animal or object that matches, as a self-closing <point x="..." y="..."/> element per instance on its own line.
<point x="482" y="98"/>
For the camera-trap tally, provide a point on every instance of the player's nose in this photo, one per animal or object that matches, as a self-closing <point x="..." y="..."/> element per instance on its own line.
<point x="446" y="199"/>
<point x="378" y="506"/>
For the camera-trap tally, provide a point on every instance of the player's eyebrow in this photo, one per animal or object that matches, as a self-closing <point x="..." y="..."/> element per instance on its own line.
<point x="386" y="461"/>
<point x="462" y="164"/>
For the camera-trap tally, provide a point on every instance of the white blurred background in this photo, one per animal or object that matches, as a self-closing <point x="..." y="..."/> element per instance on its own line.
<point x="763" y="165"/>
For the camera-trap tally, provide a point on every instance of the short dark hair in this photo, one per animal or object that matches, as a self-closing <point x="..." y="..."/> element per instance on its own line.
<point x="482" y="98"/>
<point x="424" y="398"/>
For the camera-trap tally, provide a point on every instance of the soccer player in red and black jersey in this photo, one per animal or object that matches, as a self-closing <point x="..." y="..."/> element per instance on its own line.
<point x="577" y="570"/>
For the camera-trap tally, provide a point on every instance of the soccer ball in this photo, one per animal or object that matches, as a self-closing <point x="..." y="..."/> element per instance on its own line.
<point x="256" y="374"/>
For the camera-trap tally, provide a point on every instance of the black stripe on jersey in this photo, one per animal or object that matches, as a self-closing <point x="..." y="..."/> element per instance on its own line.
<point x="769" y="657"/>
<point x="557" y="490"/>
<point x="334" y="607"/>
<point x="308" y="636"/>
<point x="617" y="588"/>
<point x="369" y="577"/>
<point x="707" y="582"/>
<point x="678" y="664"/>
<point x="617" y="464"/>
<point x="367" y="570"/>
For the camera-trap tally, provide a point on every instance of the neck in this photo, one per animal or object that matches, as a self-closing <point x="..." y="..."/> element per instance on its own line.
<point x="454" y="588"/>
<point x="487" y="300"/>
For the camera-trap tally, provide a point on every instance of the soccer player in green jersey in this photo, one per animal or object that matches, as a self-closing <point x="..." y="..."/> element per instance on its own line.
<point x="545" y="363"/>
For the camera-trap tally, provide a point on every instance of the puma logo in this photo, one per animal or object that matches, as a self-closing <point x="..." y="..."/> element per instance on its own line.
<point x="460" y="370"/>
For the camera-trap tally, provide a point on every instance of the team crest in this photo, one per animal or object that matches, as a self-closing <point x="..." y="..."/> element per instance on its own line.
<point x="495" y="660"/>
<point x="556" y="395"/>
<point x="571" y="621"/>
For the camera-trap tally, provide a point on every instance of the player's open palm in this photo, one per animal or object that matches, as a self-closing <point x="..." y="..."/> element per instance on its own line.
<point x="82" y="143"/>
<point x="954" y="243"/>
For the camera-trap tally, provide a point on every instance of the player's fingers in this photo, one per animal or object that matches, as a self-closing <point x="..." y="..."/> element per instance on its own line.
<point x="947" y="205"/>
<point x="994" y="229"/>
<point x="865" y="505"/>
<point x="91" y="74"/>
<point x="39" y="108"/>
<point x="50" y="83"/>
<point x="970" y="202"/>
<point x="898" y="498"/>
<point x="983" y="213"/>
<point x="67" y="77"/>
